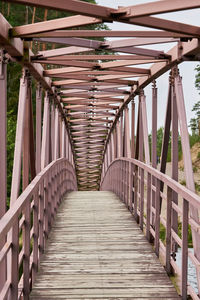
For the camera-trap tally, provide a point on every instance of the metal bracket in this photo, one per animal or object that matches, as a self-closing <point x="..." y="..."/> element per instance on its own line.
<point x="4" y="60"/>
<point x="173" y="255"/>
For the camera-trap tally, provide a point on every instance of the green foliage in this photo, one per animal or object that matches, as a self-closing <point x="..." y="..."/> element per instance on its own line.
<point x="183" y="182"/>
<point x="160" y="133"/>
<point x="18" y="15"/>
<point x="197" y="187"/>
<point x="163" y="233"/>
<point x="195" y="122"/>
<point x="194" y="138"/>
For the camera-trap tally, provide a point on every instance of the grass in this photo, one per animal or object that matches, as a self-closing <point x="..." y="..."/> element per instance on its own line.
<point x="195" y="169"/>
<point x="183" y="182"/>
<point x="197" y="187"/>
<point x="163" y="234"/>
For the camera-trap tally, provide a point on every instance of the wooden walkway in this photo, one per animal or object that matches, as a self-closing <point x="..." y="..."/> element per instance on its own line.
<point x="97" y="251"/>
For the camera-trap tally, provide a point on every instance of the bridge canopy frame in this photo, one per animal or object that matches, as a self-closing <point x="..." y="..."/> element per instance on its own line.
<point x="85" y="97"/>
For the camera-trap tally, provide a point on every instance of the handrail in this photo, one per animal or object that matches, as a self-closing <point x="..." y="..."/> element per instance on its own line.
<point x="138" y="185"/>
<point x="34" y="210"/>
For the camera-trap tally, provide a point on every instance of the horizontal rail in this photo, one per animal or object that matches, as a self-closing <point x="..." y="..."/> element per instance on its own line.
<point x="138" y="185"/>
<point x="26" y="225"/>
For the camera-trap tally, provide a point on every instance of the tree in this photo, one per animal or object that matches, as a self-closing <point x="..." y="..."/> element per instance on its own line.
<point x="17" y="15"/>
<point x="195" y="122"/>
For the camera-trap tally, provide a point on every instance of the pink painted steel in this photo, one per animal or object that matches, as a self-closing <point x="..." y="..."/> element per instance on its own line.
<point x="66" y="181"/>
<point x="3" y="153"/>
<point x="116" y="180"/>
<point x="154" y="126"/>
<point x="174" y="155"/>
<point x="127" y="134"/>
<point x="187" y="161"/>
<point x="133" y="129"/>
<point x="145" y="128"/>
<point x="45" y="134"/>
<point x="57" y="139"/>
<point x="92" y="127"/>
<point x="16" y="175"/>
<point x="38" y="127"/>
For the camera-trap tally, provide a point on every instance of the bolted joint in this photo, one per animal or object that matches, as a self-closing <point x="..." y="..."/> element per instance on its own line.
<point x="154" y="84"/>
<point x="141" y="92"/>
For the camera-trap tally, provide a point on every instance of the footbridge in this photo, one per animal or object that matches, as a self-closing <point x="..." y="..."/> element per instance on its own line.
<point x="91" y="215"/>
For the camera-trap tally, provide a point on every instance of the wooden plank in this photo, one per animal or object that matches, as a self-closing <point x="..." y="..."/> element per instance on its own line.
<point x="97" y="251"/>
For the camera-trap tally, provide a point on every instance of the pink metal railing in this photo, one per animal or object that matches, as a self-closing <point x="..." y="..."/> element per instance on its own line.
<point x="26" y="225"/>
<point x="143" y="189"/>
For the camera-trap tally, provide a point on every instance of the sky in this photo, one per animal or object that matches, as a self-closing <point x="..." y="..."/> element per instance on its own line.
<point x="187" y="69"/>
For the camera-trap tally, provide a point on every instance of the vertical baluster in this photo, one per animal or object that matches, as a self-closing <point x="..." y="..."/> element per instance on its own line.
<point x="184" y="250"/>
<point x="131" y="187"/>
<point x="41" y="220"/>
<point x="35" y="235"/>
<point x="157" y="217"/>
<point x="136" y="193"/>
<point x="168" y="230"/>
<point x="46" y="208"/>
<point x="26" y="246"/>
<point x="148" y="235"/>
<point x="141" y="198"/>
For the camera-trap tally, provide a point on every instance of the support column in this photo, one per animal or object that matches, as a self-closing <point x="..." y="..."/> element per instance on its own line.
<point x="3" y="153"/>
<point x="112" y="147"/>
<point x="13" y="236"/>
<point x="26" y="139"/>
<point x="144" y="127"/>
<point x="132" y="128"/>
<point x="38" y="127"/>
<point x="53" y="130"/>
<point x="174" y="158"/>
<point x="154" y="126"/>
<point x="127" y="145"/>
<point x="67" y="146"/>
<point x="119" y="143"/>
<point x="16" y="175"/>
<point x="3" y="134"/>
<point x="57" y="125"/>
<point x="63" y="154"/>
<point x="154" y="146"/>
<point x="45" y="133"/>
<point x="187" y="163"/>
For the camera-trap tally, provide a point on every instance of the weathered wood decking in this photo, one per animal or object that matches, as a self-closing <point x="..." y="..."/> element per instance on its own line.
<point x="97" y="251"/>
